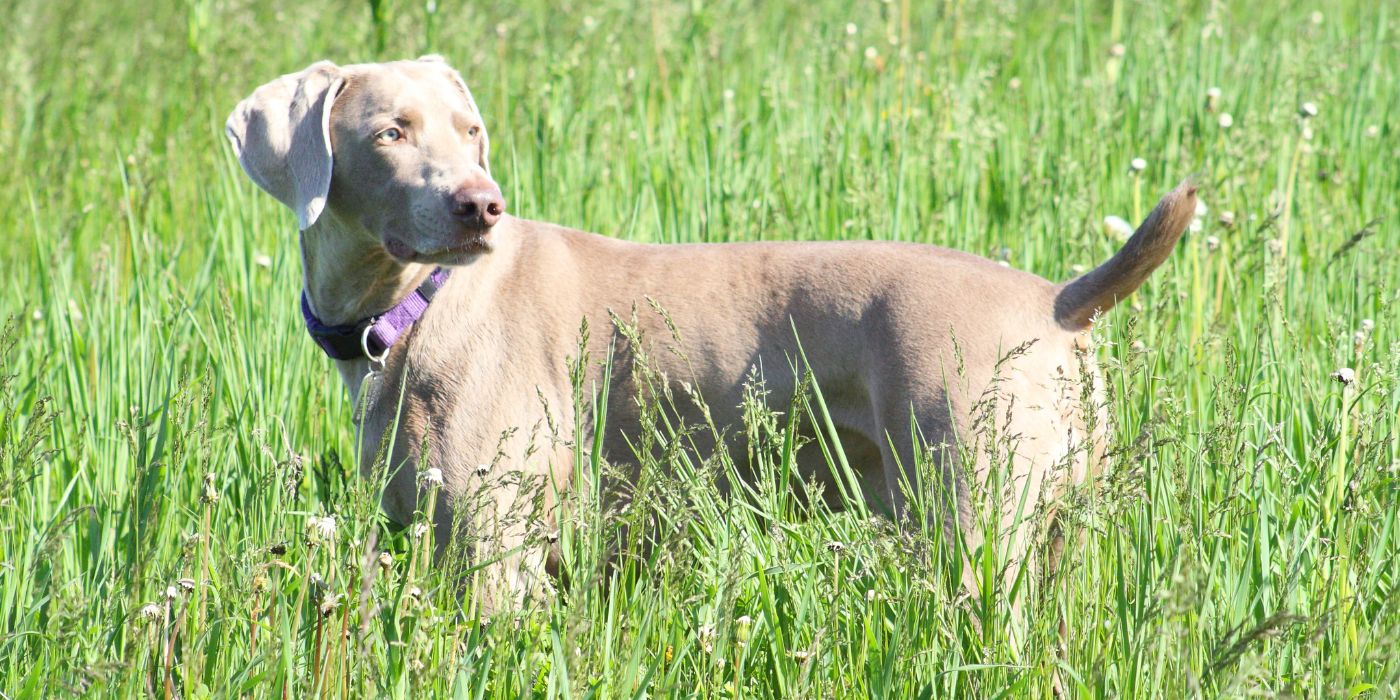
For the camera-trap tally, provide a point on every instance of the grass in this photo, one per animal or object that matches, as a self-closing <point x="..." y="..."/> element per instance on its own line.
<point x="168" y="434"/>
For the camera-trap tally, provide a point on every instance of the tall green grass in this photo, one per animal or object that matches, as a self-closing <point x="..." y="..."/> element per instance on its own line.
<point x="167" y="433"/>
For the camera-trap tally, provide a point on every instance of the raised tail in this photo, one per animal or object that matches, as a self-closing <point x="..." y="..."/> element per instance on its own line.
<point x="1098" y="290"/>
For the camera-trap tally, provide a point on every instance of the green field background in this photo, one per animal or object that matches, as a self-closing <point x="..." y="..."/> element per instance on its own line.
<point x="167" y="430"/>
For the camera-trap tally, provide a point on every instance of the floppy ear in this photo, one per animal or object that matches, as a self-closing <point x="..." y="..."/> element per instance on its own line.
<point x="281" y="135"/>
<point x="462" y="85"/>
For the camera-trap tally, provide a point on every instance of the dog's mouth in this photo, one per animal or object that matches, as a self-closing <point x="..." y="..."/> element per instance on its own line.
<point x="474" y="244"/>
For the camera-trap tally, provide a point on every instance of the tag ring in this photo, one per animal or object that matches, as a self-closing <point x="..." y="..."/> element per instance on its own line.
<point x="364" y="347"/>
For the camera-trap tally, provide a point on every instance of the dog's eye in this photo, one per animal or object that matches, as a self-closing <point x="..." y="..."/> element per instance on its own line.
<point x="472" y="132"/>
<point x="389" y="135"/>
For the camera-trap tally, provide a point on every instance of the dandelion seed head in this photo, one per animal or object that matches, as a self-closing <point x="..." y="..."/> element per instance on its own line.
<point x="1226" y="121"/>
<point x="1212" y="243"/>
<point x="320" y="529"/>
<point x="1137" y="165"/>
<point x="1117" y="227"/>
<point x="1344" y="376"/>
<point x="432" y="476"/>
<point x="851" y="29"/>
<point x="1307" y="110"/>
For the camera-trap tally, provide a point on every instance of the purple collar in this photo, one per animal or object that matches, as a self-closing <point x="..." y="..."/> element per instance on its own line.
<point x="371" y="338"/>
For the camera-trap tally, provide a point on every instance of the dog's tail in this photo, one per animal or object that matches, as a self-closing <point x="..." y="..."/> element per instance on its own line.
<point x="1097" y="291"/>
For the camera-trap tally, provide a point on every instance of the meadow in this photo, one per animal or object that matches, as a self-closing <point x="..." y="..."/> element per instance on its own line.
<point x="181" y="514"/>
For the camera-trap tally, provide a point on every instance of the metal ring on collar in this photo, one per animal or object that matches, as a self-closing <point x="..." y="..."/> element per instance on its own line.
<point x="364" y="346"/>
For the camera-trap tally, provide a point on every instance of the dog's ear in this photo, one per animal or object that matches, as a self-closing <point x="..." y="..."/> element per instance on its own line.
<point x="462" y="85"/>
<point x="281" y="135"/>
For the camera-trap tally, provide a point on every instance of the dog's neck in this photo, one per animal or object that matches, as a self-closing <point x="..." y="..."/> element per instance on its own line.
<point x="348" y="276"/>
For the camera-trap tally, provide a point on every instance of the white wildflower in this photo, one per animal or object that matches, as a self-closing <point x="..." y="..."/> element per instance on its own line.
<point x="319" y="530"/>
<point x="706" y="637"/>
<point x="1344" y="376"/>
<point x="850" y="29"/>
<point x="262" y="260"/>
<point x="1118" y="50"/>
<point x="742" y="628"/>
<point x="1117" y="227"/>
<point x="1137" y="165"/>
<point x="432" y="477"/>
<point x="1226" y="121"/>
<point x="1307" y="110"/>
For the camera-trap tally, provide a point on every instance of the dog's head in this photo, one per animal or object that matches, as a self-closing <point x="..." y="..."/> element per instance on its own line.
<point x="397" y="150"/>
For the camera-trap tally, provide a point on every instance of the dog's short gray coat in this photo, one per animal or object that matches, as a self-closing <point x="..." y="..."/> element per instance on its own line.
<point x="369" y="157"/>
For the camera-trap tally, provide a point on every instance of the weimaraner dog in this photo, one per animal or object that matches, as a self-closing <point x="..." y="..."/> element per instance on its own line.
<point x="455" y="325"/>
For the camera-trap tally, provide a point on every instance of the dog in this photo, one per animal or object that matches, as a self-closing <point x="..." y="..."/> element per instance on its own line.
<point x="454" y="324"/>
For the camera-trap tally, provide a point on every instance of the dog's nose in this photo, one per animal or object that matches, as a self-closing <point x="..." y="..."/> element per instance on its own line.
<point x="478" y="207"/>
